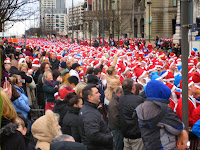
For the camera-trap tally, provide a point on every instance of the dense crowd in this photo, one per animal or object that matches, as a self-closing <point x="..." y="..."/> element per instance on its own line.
<point x="96" y="98"/>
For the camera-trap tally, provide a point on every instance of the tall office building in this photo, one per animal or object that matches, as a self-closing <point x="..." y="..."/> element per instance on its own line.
<point x="53" y="17"/>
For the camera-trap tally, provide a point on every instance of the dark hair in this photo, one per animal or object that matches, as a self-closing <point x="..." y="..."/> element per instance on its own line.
<point x="56" y="74"/>
<point x="97" y="70"/>
<point x="73" y="79"/>
<point x="92" y="79"/>
<point x="138" y="87"/>
<point x="87" y="91"/>
<point x="43" y="53"/>
<point x="71" y="99"/>
<point x="119" y="89"/>
<point x="43" y="66"/>
<point x="127" y="85"/>
<point x="90" y="70"/>
<point x="21" y="116"/>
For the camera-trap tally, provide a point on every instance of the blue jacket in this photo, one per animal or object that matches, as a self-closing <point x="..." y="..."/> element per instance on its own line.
<point x="22" y="103"/>
<point x="196" y="128"/>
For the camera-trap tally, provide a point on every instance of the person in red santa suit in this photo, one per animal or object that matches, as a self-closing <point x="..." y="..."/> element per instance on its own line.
<point x="191" y="103"/>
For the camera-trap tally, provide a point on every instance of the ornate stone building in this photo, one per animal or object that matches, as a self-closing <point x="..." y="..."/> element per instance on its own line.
<point x="132" y="18"/>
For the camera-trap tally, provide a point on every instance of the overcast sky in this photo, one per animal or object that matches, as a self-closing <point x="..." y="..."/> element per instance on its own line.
<point x="20" y="27"/>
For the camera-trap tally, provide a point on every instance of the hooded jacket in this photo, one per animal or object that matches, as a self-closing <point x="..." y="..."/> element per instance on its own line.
<point x="44" y="129"/>
<point x="159" y="125"/>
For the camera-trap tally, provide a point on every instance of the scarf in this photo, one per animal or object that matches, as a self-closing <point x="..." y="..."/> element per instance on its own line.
<point x="51" y="83"/>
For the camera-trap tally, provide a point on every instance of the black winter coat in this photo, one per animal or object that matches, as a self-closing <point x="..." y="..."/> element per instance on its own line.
<point x="66" y="145"/>
<point x="128" y="117"/>
<point x="54" y="64"/>
<point x="36" y="76"/>
<point x="40" y="92"/>
<point x="94" y="131"/>
<point x="71" y="123"/>
<point x="14" y="70"/>
<point x="61" y="109"/>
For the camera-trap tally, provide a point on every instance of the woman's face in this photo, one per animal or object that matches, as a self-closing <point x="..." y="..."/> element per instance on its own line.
<point x="28" y="60"/>
<point x="58" y="127"/>
<point x="80" y="104"/>
<point x="24" y="69"/>
<point x="49" y="77"/>
<point x="18" y="84"/>
<point x="46" y="68"/>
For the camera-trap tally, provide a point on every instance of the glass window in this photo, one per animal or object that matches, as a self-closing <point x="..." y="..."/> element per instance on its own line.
<point x="57" y="29"/>
<point x="57" y="16"/>
<point x="57" y="20"/>
<point x="174" y="3"/>
<point x="57" y="25"/>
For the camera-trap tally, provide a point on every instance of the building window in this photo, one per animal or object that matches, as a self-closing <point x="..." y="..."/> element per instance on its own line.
<point x="57" y="25"/>
<point x="174" y="3"/>
<point x="57" y="16"/>
<point x="57" y="20"/>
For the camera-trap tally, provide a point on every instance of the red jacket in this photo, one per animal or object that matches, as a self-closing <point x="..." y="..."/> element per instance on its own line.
<point x="192" y="107"/>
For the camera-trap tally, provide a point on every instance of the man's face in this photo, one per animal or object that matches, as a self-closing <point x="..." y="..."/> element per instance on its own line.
<point x="173" y="67"/>
<point x="95" y="97"/>
<point x="193" y="88"/>
<point x="53" y="55"/>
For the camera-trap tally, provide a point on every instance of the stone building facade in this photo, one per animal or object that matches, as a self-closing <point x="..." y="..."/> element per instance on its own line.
<point x="133" y="18"/>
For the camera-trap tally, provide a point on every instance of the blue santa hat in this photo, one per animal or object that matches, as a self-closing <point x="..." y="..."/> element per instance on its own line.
<point x="157" y="90"/>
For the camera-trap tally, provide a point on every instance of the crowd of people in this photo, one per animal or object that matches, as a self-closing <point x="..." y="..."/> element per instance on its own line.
<point x="96" y="98"/>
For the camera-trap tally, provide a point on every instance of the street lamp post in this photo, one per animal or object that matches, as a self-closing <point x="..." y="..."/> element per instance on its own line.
<point x="149" y="3"/>
<point x="103" y="25"/>
<point x="72" y="21"/>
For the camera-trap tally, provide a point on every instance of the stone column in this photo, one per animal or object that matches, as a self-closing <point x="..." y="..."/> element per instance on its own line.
<point x="139" y="27"/>
<point x="177" y="35"/>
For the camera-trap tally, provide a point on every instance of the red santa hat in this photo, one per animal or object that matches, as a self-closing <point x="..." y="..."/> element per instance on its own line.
<point x="190" y="62"/>
<point x="190" y="69"/>
<point x="152" y="68"/>
<point x="7" y="60"/>
<point x="171" y="86"/>
<point x="159" y="64"/>
<point x="18" y="47"/>
<point x="36" y="62"/>
<point x="169" y="77"/>
<point x="190" y="82"/>
<point x="45" y="57"/>
<point x="139" y="72"/>
<point x="197" y="64"/>
<point x="196" y="79"/>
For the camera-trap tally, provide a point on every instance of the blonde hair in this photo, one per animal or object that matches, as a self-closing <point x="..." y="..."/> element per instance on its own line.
<point x="8" y="109"/>
<point x="110" y="70"/>
<point x="45" y="76"/>
<point x="79" y="88"/>
<point x="23" y="65"/>
<point x="14" y="79"/>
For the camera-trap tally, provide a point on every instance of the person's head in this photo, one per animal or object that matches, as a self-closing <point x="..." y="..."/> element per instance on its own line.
<point x="45" y="67"/>
<point x="79" y="88"/>
<point x="47" y="76"/>
<point x="91" y="94"/>
<point x="14" y="63"/>
<point x="191" y="88"/>
<point x="69" y="64"/>
<point x="75" y="66"/>
<point x="92" y="79"/>
<point x="111" y="70"/>
<point x="138" y="89"/>
<point x="97" y="72"/>
<point x="21" y="56"/>
<point x="8" y="110"/>
<point x="62" y="66"/>
<point x="21" y="126"/>
<point x="73" y="81"/>
<point x="73" y="100"/>
<point x="23" y="67"/>
<point x="173" y="66"/>
<point x="128" y="86"/>
<point x="1" y="42"/>
<point x="27" y="59"/>
<point x="90" y="70"/>
<point x="46" y="127"/>
<point x="15" y="80"/>
<point x="56" y="74"/>
<point x="63" y="137"/>
<point x="53" y="55"/>
<point x="119" y="92"/>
